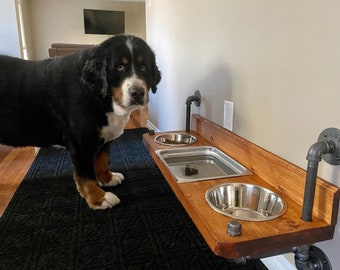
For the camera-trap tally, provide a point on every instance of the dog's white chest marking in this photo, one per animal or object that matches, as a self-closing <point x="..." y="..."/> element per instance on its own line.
<point x="115" y="127"/>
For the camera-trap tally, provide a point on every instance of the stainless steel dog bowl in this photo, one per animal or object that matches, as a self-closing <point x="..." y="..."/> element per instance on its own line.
<point x="197" y="163"/>
<point x="177" y="139"/>
<point x="245" y="201"/>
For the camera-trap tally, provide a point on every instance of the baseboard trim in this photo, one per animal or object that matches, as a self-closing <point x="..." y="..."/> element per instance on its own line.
<point x="277" y="263"/>
<point x="151" y="126"/>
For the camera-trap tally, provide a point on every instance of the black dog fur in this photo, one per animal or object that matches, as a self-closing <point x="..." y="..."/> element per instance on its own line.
<point x="81" y="102"/>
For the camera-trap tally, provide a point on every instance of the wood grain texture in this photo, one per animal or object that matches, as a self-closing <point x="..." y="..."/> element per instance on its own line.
<point x="270" y="171"/>
<point x="14" y="164"/>
<point x="284" y="176"/>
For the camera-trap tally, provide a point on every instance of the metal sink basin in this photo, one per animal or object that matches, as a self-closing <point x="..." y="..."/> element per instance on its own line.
<point x="198" y="163"/>
<point x="245" y="201"/>
<point x="176" y="139"/>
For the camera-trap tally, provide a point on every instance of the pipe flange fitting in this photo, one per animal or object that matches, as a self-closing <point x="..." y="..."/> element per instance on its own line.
<point x="197" y="101"/>
<point x="311" y="258"/>
<point x="333" y="135"/>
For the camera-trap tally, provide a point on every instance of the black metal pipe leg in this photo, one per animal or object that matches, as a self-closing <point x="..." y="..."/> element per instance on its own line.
<point x="314" y="156"/>
<point x="308" y="201"/>
<point x="196" y="98"/>
<point x="187" y="122"/>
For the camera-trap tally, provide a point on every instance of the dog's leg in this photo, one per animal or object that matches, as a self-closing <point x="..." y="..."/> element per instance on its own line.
<point x="85" y="178"/>
<point x="102" y="168"/>
<point x="95" y="197"/>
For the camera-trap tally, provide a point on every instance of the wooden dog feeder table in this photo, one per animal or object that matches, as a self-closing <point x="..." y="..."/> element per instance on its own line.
<point x="258" y="239"/>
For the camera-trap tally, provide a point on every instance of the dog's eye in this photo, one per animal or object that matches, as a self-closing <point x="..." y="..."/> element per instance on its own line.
<point x="120" y="67"/>
<point x="142" y="68"/>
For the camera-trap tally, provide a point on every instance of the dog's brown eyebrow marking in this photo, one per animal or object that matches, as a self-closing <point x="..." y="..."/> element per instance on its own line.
<point x="125" y="60"/>
<point x="139" y="58"/>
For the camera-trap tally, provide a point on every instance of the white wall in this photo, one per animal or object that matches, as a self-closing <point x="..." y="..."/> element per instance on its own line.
<point x="62" y="22"/>
<point x="278" y="61"/>
<point x="9" y="38"/>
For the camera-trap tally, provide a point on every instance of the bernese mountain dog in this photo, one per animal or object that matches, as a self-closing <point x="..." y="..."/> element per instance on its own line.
<point x="80" y="101"/>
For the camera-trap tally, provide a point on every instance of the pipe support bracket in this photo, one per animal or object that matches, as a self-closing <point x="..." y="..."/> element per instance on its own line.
<point x="333" y="135"/>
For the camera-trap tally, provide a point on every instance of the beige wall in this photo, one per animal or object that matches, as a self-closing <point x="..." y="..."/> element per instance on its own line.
<point x="278" y="61"/>
<point x="49" y="21"/>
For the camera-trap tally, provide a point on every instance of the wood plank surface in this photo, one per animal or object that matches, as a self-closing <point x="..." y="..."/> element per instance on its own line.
<point x="13" y="166"/>
<point x="284" y="176"/>
<point x="258" y="239"/>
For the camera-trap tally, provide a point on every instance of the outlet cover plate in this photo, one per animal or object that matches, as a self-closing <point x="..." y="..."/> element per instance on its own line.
<point x="228" y="116"/>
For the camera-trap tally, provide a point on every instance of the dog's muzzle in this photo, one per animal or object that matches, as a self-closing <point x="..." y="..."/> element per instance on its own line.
<point x="137" y="95"/>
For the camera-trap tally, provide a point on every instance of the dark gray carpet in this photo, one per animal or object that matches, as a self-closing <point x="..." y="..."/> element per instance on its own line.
<point x="49" y="226"/>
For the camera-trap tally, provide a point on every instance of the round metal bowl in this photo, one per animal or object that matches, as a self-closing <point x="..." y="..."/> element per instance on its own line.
<point x="177" y="139"/>
<point x="245" y="201"/>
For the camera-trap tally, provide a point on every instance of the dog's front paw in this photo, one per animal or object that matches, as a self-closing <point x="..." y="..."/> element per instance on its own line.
<point x="95" y="197"/>
<point x="116" y="179"/>
<point x="109" y="201"/>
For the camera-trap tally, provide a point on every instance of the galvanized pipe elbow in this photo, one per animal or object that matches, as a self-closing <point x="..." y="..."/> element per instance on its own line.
<point x="320" y="148"/>
<point x="196" y="98"/>
<point x="190" y="99"/>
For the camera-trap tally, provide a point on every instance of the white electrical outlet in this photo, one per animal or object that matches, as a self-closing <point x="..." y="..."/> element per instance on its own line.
<point x="228" y="115"/>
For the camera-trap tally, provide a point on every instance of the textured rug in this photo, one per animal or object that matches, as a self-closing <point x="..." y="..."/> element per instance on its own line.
<point x="47" y="225"/>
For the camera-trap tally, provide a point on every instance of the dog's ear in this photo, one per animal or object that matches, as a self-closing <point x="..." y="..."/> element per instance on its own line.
<point x="155" y="73"/>
<point x="156" y="77"/>
<point x="94" y="75"/>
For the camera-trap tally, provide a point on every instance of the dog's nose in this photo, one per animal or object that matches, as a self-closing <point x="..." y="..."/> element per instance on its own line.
<point x="137" y="94"/>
